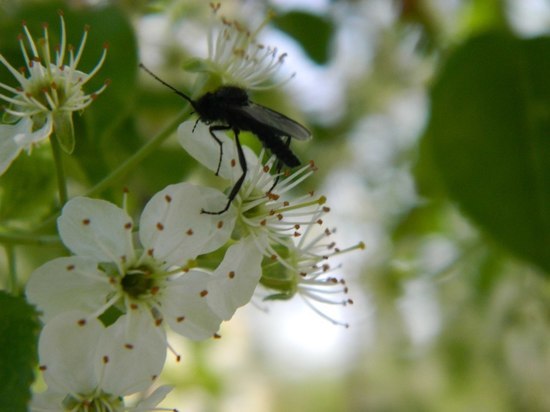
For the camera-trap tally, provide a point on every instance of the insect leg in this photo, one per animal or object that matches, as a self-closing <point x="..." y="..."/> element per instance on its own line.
<point x="238" y="184"/>
<point x="213" y="129"/>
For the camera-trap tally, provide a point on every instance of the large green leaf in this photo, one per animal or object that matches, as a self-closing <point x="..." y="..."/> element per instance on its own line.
<point x="18" y="337"/>
<point x="489" y="137"/>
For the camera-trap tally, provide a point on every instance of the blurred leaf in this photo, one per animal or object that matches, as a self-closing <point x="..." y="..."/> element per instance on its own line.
<point x="489" y="138"/>
<point x="18" y="337"/>
<point x="26" y="189"/>
<point x="312" y="32"/>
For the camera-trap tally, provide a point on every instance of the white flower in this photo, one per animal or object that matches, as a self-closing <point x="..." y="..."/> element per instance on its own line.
<point x="236" y="58"/>
<point x="308" y="273"/>
<point x="259" y="209"/>
<point x="49" y="91"/>
<point x="89" y="367"/>
<point x="287" y="232"/>
<point x="157" y="282"/>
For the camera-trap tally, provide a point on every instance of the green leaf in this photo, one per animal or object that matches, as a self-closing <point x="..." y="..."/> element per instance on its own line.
<point x="18" y="354"/>
<point x="489" y="136"/>
<point x="312" y="32"/>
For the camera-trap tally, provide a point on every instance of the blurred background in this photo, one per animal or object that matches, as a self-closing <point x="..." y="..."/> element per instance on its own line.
<point x="431" y="125"/>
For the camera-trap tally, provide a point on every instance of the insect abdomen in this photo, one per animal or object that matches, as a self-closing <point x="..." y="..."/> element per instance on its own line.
<point x="279" y="149"/>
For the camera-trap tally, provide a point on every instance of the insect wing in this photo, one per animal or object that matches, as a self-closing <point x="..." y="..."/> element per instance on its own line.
<point x="278" y="121"/>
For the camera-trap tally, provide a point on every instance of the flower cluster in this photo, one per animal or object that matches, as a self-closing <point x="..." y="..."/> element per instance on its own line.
<point x="107" y="307"/>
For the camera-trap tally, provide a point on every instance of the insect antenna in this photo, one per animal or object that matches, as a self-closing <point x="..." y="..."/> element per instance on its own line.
<point x="191" y="101"/>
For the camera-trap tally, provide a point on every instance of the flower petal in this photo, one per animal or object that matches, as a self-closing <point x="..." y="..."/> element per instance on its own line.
<point x="9" y="150"/>
<point x="67" y="351"/>
<point x="96" y="228"/>
<point x="186" y="308"/>
<point x="235" y="279"/>
<point x="173" y="227"/>
<point x="15" y="138"/>
<point x="69" y="283"/>
<point x="131" y="353"/>
<point x="149" y="403"/>
<point x="202" y="146"/>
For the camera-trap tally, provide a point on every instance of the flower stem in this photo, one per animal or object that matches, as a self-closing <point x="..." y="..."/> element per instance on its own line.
<point x="140" y="155"/>
<point x="58" y="159"/>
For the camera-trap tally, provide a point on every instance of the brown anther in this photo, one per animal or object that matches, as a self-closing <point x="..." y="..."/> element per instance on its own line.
<point x="106" y="45"/>
<point x="319" y="221"/>
<point x="231" y="275"/>
<point x="189" y="232"/>
<point x="150" y="252"/>
<point x="45" y="25"/>
<point x="180" y="319"/>
<point x="160" y="226"/>
<point x="105" y="359"/>
<point x="70" y="267"/>
<point x="273" y="257"/>
<point x="81" y="322"/>
<point x="350" y="301"/>
<point x="86" y="27"/>
<point x="216" y="336"/>
<point x="86" y="222"/>
<point x="128" y="346"/>
<point x="263" y="222"/>
<point x="158" y="322"/>
<point x="279" y="216"/>
<point x="303" y="274"/>
<point x="155" y="290"/>
<point x="60" y="12"/>
<point x="219" y="225"/>
<point x="286" y="203"/>
<point x="42" y="367"/>
<point x="133" y="306"/>
<point x="296" y="234"/>
<point x="266" y="168"/>
<point x="296" y="226"/>
<point x="326" y="209"/>
<point x="128" y="225"/>
<point x="203" y="293"/>
<point x="168" y="198"/>
<point x="233" y="163"/>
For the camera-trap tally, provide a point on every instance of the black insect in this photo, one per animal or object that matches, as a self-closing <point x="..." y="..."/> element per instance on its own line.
<point x="229" y="108"/>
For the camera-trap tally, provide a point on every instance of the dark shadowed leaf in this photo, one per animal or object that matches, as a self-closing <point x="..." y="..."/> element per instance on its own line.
<point x="312" y="32"/>
<point x="489" y="138"/>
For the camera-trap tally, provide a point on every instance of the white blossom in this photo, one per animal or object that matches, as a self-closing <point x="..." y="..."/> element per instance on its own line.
<point x="156" y="282"/>
<point x="90" y="367"/>
<point x="235" y="56"/>
<point x="287" y="231"/>
<point x="50" y="89"/>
